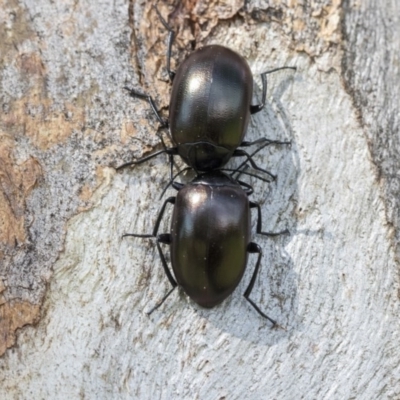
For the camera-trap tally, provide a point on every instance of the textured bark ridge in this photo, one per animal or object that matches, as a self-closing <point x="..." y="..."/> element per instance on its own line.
<point x="371" y="73"/>
<point x="79" y="292"/>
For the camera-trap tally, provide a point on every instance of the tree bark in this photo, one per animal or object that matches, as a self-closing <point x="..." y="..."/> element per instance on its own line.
<point x="74" y="294"/>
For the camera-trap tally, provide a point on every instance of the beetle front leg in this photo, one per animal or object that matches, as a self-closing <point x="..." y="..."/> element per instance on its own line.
<point x="171" y="37"/>
<point x="259" y="222"/>
<point x="164" y="124"/>
<point x="170" y="151"/>
<point x="149" y="99"/>
<point x="258" y="107"/>
<point x="255" y="248"/>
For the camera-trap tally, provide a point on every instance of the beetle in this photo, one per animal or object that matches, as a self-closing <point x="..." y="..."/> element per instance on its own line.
<point x="209" y="239"/>
<point x="209" y="109"/>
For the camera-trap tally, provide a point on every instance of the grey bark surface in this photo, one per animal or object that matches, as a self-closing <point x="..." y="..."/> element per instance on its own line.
<point x="73" y="293"/>
<point x="371" y="71"/>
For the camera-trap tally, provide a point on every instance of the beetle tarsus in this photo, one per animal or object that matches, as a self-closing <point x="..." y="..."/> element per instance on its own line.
<point x="273" y="322"/>
<point x="160" y="303"/>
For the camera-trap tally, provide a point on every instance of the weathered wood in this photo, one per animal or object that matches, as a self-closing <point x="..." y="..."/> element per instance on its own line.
<point x="79" y="291"/>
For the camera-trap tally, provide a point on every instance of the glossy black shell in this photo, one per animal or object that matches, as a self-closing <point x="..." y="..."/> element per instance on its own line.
<point x="210" y="106"/>
<point x="210" y="232"/>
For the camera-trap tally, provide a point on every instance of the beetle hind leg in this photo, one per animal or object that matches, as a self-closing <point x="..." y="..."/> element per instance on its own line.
<point x="161" y="302"/>
<point x="164" y="238"/>
<point x="255" y="248"/>
<point x="161" y="238"/>
<point x="259" y="223"/>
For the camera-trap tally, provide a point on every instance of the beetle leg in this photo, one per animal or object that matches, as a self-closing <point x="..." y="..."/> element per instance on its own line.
<point x="176" y="185"/>
<point x="164" y="123"/>
<point x="240" y="172"/>
<point x="248" y="188"/>
<point x="170" y="157"/>
<point x="160" y="302"/>
<point x="161" y="213"/>
<point x="258" y="107"/>
<point x="259" y="222"/>
<point x="171" y="151"/>
<point x="242" y="153"/>
<point x="171" y="37"/>
<point x="255" y="248"/>
<point x="157" y="224"/>
<point x="164" y="238"/>
<point x="264" y="141"/>
<point x="134" y="93"/>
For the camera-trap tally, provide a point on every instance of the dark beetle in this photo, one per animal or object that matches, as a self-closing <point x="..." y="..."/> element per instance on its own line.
<point x="210" y="107"/>
<point x="209" y="239"/>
